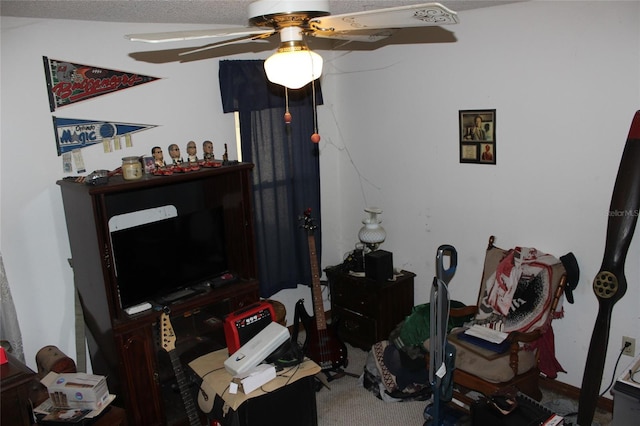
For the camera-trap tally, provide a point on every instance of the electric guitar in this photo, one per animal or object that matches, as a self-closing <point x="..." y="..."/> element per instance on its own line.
<point x="322" y="343"/>
<point x="169" y="344"/>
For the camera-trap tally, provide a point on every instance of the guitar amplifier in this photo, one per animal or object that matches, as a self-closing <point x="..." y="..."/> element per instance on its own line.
<point x="241" y="325"/>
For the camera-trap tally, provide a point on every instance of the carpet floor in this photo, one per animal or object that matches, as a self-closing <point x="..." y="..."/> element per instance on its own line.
<point x="347" y="402"/>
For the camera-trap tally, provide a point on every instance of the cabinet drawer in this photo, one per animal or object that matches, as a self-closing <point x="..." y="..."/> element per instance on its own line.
<point x="356" y="329"/>
<point x="355" y="297"/>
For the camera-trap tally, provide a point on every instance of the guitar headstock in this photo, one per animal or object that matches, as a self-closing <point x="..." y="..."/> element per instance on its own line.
<point x="307" y="221"/>
<point x="167" y="335"/>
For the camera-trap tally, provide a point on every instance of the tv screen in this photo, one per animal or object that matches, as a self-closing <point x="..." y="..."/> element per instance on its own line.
<point x="155" y="259"/>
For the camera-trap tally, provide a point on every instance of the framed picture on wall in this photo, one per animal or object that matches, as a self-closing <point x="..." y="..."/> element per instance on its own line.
<point x="469" y="152"/>
<point x="478" y="136"/>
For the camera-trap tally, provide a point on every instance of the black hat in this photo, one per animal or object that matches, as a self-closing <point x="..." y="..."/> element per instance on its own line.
<point x="573" y="274"/>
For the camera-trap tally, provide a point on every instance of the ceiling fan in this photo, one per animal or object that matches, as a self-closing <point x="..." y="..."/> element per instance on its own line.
<point x="294" y="65"/>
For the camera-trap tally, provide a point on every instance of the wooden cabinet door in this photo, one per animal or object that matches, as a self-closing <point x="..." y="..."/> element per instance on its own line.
<point x="139" y="376"/>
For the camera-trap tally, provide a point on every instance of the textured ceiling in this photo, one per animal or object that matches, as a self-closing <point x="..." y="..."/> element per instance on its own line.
<point x="224" y="13"/>
<point x="218" y="12"/>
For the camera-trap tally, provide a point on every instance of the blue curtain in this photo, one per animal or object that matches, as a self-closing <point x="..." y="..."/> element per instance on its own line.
<point x="286" y="176"/>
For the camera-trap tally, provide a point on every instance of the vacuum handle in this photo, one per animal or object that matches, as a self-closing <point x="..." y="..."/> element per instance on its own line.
<point x="446" y="274"/>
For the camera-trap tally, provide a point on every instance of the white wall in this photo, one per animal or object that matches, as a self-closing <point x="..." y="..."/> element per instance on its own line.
<point x="564" y="78"/>
<point x="565" y="81"/>
<point x="185" y="104"/>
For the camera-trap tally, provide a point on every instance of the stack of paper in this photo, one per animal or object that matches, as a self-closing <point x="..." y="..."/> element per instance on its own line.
<point x="487" y="334"/>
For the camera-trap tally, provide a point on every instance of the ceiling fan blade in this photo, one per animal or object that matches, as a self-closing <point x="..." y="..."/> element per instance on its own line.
<point x="225" y="43"/>
<point x="610" y="283"/>
<point x="198" y="34"/>
<point x="368" y="36"/>
<point x="426" y="14"/>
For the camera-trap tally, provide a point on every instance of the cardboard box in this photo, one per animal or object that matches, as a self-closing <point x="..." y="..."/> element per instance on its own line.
<point x="77" y="390"/>
<point x="255" y="378"/>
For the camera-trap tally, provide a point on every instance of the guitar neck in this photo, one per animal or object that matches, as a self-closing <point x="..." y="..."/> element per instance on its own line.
<point x="189" y="406"/>
<point x="316" y="291"/>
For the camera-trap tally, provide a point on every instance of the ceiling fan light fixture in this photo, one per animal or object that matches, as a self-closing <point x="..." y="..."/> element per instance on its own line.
<point x="294" y="65"/>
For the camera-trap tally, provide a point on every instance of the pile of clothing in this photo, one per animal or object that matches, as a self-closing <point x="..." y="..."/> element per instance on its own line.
<point x="396" y="369"/>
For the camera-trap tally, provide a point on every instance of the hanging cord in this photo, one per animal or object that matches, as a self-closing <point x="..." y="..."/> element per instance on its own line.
<point x="315" y="109"/>
<point x="613" y="377"/>
<point x="439" y="318"/>
<point x="315" y="137"/>
<point x="287" y="114"/>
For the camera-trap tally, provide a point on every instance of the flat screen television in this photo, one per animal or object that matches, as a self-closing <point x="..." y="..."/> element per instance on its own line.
<point x="153" y="260"/>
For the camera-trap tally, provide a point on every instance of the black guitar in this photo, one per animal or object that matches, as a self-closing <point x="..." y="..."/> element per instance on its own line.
<point x="610" y="283"/>
<point x="322" y="343"/>
<point x="169" y="344"/>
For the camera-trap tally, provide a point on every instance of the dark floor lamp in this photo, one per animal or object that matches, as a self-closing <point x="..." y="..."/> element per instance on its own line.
<point x="610" y="283"/>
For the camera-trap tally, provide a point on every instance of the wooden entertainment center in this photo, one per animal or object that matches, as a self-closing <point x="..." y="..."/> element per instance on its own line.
<point x="126" y="348"/>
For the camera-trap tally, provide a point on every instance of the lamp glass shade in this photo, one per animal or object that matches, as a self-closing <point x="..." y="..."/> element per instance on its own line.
<point x="293" y="69"/>
<point x="372" y="233"/>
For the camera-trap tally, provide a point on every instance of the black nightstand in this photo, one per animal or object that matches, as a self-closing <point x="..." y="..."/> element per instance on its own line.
<point x="366" y="310"/>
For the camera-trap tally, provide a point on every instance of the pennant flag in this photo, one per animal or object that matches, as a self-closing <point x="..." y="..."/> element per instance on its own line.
<point x="74" y="134"/>
<point x="69" y="83"/>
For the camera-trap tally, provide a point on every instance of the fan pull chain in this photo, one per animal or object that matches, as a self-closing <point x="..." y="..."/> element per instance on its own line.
<point x="315" y="137"/>
<point x="287" y="114"/>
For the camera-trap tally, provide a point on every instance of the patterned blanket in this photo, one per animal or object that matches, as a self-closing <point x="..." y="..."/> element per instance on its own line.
<point x="389" y="381"/>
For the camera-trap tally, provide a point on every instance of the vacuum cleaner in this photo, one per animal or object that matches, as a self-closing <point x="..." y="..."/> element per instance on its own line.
<point x="442" y="355"/>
